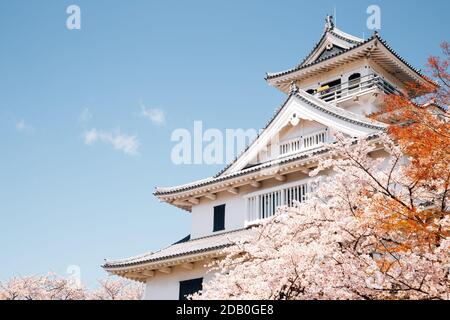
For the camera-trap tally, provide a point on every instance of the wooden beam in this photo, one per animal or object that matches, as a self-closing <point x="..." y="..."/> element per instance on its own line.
<point x="255" y="184"/>
<point x="233" y="190"/>
<point x="134" y="274"/>
<point x="148" y="273"/>
<point x="194" y="200"/>
<point x="180" y="203"/>
<point x="305" y="171"/>
<point x="280" y="177"/>
<point x="187" y="266"/>
<point x="165" y="270"/>
<point x="211" y="196"/>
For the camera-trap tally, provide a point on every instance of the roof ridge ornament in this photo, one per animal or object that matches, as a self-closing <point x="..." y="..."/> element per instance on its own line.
<point x="293" y="88"/>
<point x="329" y="23"/>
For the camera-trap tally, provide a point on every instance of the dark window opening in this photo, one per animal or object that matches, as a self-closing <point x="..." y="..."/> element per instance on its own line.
<point x="331" y="90"/>
<point x="219" y="218"/>
<point x="333" y="83"/>
<point x="311" y="91"/>
<point x="354" y="81"/>
<point x="189" y="287"/>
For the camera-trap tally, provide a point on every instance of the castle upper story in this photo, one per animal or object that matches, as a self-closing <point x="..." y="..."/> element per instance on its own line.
<point x="335" y="88"/>
<point x="339" y="62"/>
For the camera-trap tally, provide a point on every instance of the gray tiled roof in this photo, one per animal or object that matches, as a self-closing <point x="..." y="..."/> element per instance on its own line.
<point x="181" y="248"/>
<point x="304" y="65"/>
<point x="306" y="98"/>
<point x="357" y="45"/>
<point x="338" y="112"/>
<point x="319" y="104"/>
<point x="265" y="165"/>
<point x="339" y="35"/>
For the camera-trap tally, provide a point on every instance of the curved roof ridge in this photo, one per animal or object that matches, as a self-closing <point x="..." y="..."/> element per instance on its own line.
<point x="193" y="246"/>
<point x="185" y="185"/>
<point x="374" y="36"/>
<point x="304" y="96"/>
<point x="223" y="177"/>
<point x="270" y="75"/>
<point x="339" y="33"/>
<point x="336" y="33"/>
<point x="277" y="111"/>
<point x="270" y="121"/>
<point x="339" y="112"/>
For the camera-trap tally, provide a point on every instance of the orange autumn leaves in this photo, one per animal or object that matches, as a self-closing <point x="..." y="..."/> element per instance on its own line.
<point x="420" y="123"/>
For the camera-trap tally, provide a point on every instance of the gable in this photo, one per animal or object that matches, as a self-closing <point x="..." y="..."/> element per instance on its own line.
<point x="303" y="128"/>
<point x="330" y="51"/>
<point x="306" y="112"/>
<point x="332" y="42"/>
<point x="289" y="140"/>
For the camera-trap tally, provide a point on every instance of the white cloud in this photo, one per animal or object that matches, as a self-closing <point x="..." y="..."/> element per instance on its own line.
<point x="22" y="126"/>
<point x="156" y="116"/>
<point x="85" y="116"/>
<point x="91" y="137"/>
<point x="119" y="141"/>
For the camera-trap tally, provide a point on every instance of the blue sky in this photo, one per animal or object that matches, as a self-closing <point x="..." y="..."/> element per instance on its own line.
<point x="63" y="202"/>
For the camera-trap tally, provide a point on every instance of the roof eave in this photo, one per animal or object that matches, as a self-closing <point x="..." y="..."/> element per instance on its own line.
<point x="280" y="77"/>
<point x="275" y="78"/>
<point x="296" y="162"/>
<point x="243" y="174"/>
<point x="166" y="262"/>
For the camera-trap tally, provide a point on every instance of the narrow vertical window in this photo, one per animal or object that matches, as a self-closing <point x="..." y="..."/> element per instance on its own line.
<point x="189" y="287"/>
<point x="219" y="218"/>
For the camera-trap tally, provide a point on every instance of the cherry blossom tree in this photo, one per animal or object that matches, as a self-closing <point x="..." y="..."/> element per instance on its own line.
<point x="53" y="287"/>
<point x="117" y="289"/>
<point x="48" y="287"/>
<point x="354" y="238"/>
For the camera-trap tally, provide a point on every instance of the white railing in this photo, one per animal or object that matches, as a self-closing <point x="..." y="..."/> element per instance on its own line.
<point x="265" y="205"/>
<point x="355" y="87"/>
<point x="304" y="142"/>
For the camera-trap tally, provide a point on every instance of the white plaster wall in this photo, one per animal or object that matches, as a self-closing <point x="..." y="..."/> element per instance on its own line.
<point x="342" y="73"/>
<point x="203" y="214"/>
<point x="365" y="106"/>
<point x="167" y="286"/>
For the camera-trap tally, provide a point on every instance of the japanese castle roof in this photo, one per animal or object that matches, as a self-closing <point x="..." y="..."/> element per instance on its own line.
<point x="185" y="250"/>
<point x="336" y="47"/>
<point x="298" y="95"/>
<point x="331" y="34"/>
